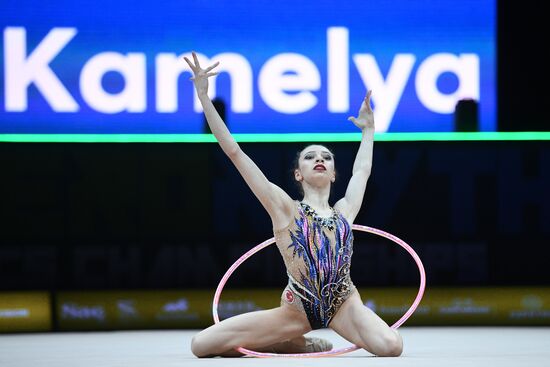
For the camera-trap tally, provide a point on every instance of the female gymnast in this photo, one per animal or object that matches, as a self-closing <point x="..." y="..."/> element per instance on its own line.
<point x="315" y="241"/>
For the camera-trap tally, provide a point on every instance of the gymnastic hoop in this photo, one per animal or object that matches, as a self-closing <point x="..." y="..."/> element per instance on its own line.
<point x="333" y="352"/>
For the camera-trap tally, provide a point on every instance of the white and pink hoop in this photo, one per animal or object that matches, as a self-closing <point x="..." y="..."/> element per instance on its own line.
<point x="333" y="352"/>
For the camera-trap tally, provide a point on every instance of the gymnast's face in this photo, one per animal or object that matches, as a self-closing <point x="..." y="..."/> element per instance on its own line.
<point x="315" y="166"/>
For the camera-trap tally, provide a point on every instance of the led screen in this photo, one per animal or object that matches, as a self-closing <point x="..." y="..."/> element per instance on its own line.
<point x="71" y="67"/>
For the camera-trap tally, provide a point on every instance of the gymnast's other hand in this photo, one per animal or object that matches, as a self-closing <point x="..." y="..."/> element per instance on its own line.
<point x="200" y="76"/>
<point x="365" y="120"/>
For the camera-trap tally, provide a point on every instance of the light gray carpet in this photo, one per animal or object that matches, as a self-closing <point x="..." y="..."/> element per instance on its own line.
<point x="424" y="347"/>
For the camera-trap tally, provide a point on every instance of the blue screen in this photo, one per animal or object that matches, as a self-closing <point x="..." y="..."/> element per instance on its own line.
<point x="116" y="67"/>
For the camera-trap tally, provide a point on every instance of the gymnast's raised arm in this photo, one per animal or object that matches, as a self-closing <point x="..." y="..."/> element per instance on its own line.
<point x="277" y="202"/>
<point x="350" y="204"/>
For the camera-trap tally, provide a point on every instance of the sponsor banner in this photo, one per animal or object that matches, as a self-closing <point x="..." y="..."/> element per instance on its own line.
<point x="133" y="309"/>
<point x="154" y="309"/>
<point x="193" y="309"/>
<point x="463" y="306"/>
<point x="25" y="311"/>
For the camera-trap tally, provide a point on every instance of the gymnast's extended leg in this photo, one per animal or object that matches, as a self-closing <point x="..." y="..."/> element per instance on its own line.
<point x="362" y="327"/>
<point x="254" y="330"/>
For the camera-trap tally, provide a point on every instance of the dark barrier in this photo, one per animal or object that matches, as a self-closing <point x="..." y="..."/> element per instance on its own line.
<point x="112" y="216"/>
<point x="191" y="309"/>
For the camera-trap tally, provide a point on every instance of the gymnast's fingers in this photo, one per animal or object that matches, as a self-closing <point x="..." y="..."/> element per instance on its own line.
<point x="211" y="67"/>
<point x="189" y="63"/>
<point x="196" y="59"/>
<point x="367" y="100"/>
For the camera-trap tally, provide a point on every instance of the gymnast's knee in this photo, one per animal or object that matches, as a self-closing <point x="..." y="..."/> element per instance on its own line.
<point x="388" y="345"/>
<point x="198" y="347"/>
<point x="392" y="345"/>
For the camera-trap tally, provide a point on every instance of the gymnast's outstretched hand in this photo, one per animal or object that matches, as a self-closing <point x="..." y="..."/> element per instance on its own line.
<point x="366" y="117"/>
<point x="200" y="76"/>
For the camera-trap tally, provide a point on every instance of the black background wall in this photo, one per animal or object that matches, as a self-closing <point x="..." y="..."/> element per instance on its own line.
<point x="100" y="216"/>
<point x="523" y="76"/>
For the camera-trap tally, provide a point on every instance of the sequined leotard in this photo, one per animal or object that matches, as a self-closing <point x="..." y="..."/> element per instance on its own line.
<point x="317" y="254"/>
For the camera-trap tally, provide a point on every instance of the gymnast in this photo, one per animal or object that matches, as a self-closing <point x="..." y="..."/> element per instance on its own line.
<point x="316" y="243"/>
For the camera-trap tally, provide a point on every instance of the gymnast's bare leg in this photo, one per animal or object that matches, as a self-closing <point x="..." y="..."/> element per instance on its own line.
<point x="362" y="327"/>
<point x="268" y="330"/>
